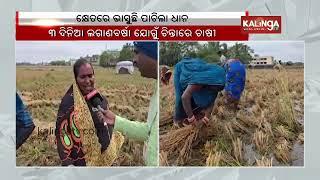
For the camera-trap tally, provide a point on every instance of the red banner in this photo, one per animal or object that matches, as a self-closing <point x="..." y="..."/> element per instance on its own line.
<point x="161" y="33"/>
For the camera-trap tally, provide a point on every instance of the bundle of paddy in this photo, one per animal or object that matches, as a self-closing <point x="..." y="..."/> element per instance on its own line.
<point x="264" y="161"/>
<point x="237" y="151"/>
<point x="267" y="128"/>
<point x="282" y="150"/>
<point x="179" y="140"/>
<point x="260" y="120"/>
<point x="243" y="122"/>
<point x="261" y="141"/>
<point x="163" y="158"/>
<point x="214" y="157"/>
<point x="229" y="130"/>
<point x="90" y="143"/>
<point x="282" y="131"/>
<point x="165" y="119"/>
<point x="245" y="119"/>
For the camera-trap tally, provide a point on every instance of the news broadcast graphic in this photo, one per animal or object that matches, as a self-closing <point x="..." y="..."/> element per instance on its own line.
<point x="89" y="82"/>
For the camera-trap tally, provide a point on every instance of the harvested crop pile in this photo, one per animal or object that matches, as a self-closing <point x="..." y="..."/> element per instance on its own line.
<point x="181" y="140"/>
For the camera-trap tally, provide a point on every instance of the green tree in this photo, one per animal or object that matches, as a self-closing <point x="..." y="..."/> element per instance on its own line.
<point x="209" y="52"/>
<point x="170" y="53"/>
<point x="189" y="49"/>
<point x="105" y="59"/>
<point x="59" y="63"/>
<point x="126" y="52"/>
<point x="240" y="51"/>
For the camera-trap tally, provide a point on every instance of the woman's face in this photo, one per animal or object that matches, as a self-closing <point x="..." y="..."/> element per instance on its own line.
<point x="85" y="79"/>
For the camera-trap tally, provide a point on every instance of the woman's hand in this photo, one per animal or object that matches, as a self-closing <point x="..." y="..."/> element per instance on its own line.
<point x="188" y="121"/>
<point x="165" y="75"/>
<point x="107" y="116"/>
<point x="205" y="120"/>
<point x="201" y="122"/>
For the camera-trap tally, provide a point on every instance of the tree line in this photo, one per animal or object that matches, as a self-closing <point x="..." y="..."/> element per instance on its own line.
<point x="108" y="58"/>
<point x="105" y="59"/>
<point x="173" y="52"/>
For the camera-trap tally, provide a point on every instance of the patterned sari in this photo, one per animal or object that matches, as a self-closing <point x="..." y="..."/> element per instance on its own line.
<point x="82" y="139"/>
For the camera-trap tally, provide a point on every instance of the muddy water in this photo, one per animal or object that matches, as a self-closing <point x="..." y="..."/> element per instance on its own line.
<point x="297" y="154"/>
<point x="300" y="120"/>
<point x="250" y="154"/>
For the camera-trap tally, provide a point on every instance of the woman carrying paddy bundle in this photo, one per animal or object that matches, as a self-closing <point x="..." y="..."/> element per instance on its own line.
<point x="197" y="84"/>
<point x="82" y="138"/>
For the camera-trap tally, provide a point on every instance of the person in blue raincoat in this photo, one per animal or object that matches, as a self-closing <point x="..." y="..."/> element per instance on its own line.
<point x="196" y="84"/>
<point x="235" y="81"/>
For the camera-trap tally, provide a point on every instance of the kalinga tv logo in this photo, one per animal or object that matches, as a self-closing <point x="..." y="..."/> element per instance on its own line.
<point x="261" y="24"/>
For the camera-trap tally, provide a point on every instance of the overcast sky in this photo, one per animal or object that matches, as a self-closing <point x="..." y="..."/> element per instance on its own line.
<point x="284" y="50"/>
<point x="46" y="51"/>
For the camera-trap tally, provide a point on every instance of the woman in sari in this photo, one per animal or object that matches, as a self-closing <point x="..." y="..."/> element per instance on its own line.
<point x="235" y="81"/>
<point x="82" y="138"/>
<point x="197" y="85"/>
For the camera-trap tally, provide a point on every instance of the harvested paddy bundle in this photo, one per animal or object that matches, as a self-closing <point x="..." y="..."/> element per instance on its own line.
<point x="267" y="128"/>
<point x="165" y="120"/>
<point x="282" y="131"/>
<point x="237" y="150"/>
<point x="181" y="139"/>
<point x="239" y="127"/>
<point x="163" y="158"/>
<point x="214" y="157"/>
<point x="260" y="140"/>
<point x="282" y="150"/>
<point x="264" y="162"/>
<point x="229" y="130"/>
<point x="90" y="143"/>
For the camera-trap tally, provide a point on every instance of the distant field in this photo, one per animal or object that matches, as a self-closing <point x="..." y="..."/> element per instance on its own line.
<point x="42" y="89"/>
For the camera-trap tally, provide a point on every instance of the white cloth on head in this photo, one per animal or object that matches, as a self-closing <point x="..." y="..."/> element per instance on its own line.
<point x="223" y="59"/>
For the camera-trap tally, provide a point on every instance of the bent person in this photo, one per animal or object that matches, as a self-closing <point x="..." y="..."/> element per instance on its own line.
<point x="196" y="84"/>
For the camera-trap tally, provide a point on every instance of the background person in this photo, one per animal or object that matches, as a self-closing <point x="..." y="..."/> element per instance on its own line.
<point x="24" y="123"/>
<point x="235" y="81"/>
